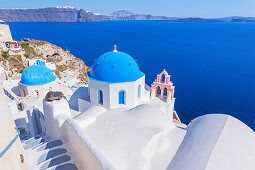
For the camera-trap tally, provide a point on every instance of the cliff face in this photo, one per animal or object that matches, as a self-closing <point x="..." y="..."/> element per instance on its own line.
<point x="48" y="15"/>
<point x="69" y="14"/>
<point x="84" y="16"/>
<point x="66" y="14"/>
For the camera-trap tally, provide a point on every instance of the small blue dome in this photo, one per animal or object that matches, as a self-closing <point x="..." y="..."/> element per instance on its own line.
<point x="39" y="62"/>
<point x="37" y="75"/>
<point x="115" y="67"/>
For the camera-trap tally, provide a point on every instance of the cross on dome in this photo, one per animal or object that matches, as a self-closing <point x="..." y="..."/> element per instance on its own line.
<point x="115" y="48"/>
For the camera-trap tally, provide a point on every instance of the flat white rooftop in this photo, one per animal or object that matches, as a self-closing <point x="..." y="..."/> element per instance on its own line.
<point x="138" y="138"/>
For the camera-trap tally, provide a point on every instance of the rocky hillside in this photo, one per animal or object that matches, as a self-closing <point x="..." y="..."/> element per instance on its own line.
<point x="35" y="49"/>
<point x="63" y="59"/>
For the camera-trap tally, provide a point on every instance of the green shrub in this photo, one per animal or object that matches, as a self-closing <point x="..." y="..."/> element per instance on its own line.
<point x="26" y="47"/>
<point x="5" y="55"/>
<point x="19" y="58"/>
<point x="27" y="55"/>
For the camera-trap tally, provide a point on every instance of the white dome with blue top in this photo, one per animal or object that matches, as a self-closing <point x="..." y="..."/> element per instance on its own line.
<point x="115" y="67"/>
<point x="37" y="75"/>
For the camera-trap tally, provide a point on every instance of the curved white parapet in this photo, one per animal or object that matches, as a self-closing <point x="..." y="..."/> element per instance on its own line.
<point x="216" y="141"/>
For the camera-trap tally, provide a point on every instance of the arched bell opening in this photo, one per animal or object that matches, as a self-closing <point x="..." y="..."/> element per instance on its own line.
<point x="158" y="91"/>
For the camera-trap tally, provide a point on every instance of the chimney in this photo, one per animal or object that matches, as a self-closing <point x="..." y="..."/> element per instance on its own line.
<point x="56" y="111"/>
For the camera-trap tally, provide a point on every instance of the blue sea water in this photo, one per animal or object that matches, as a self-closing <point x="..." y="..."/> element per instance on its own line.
<point x="212" y="65"/>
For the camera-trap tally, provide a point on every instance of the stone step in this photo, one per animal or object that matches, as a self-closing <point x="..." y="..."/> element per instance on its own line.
<point x="31" y="144"/>
<point x="51" y="154"/>
<point x="35" y="145"/>
<point x="37" y="162"/>
<point x="50" y="144"/>
<point x="33" y="158"/>
<point x="42" y="153"/>
<point x="53" y="162"/>
<point x="65" y="166"/>
<point x="36" y="154"/>
<point x="26" y="141"/>
<point x="44" y="142"/>
<point x="65" y="146"/>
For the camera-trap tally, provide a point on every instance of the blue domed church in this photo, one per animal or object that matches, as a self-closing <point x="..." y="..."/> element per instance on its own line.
<point x="115" y="80"/>
<point x="36" y="81"/>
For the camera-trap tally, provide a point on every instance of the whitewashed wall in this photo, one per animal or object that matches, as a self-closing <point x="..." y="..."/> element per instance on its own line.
<point x="111" y="92"/>
<point x="11" y="159"/>
<point x="94" y="87"/>
<point x="131" y="90"/>
<point x="83" y="105"/>
<point x="42" y="89"/>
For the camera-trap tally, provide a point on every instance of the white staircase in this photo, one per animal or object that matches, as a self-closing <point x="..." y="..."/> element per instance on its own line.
<point x="47" y="154"/>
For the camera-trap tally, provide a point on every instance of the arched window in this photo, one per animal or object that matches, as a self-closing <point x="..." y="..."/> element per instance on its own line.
<point x="165" y="91"/>
<point x="139" y="91"/>
<point x="100" y="97"/>
<point x="163" y="78"/>
<point x="122" y="97"/>
<point x="158" y="91"/>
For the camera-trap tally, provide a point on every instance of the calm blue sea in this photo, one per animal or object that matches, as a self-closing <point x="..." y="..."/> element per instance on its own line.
<point x="212" y="65"/>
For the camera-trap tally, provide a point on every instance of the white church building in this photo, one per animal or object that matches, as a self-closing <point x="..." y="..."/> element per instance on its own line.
<point x="115" y="80"/>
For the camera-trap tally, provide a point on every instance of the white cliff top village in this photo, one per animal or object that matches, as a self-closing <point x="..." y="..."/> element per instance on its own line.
<point x="115" y="121"/>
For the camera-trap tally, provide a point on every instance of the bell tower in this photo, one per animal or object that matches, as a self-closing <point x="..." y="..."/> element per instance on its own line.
<point x="163" y="88"/>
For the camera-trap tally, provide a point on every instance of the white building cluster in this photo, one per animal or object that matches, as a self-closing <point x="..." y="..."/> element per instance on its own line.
<point x="7" y="43"/>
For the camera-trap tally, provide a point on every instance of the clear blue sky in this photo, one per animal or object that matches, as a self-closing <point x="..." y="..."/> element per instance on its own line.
<point x="179" y="8"/>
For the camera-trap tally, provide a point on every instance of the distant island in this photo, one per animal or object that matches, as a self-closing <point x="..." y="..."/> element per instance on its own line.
<point x="71" y="14"/>
<point x="201" y="20"/>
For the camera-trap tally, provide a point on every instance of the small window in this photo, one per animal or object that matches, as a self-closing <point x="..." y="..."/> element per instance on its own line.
<point x="37" y="92"/>
<point x="139" y="91"/>
<point x="100" y="97"/>
<point x="122" y="97"/>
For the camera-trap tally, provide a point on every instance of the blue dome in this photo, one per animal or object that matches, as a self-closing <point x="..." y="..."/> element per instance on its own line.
<point x="39" y="62"/>
<point x="115" y="67"/>
<point x="37" y="75"/>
